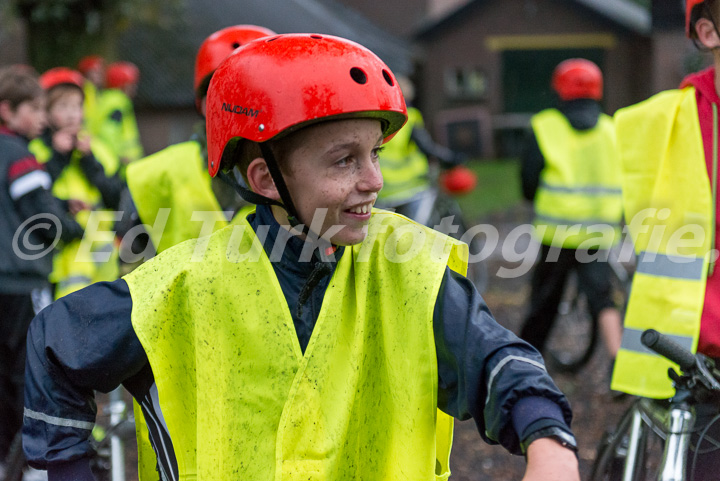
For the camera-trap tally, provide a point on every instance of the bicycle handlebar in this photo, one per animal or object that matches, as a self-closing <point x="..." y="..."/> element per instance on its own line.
<point x="668" y="348"/>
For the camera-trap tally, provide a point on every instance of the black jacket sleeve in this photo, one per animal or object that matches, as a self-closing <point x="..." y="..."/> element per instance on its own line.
<point x="429" y="147"/>
<point x="41" y="202"/>
<point x="110" y="187"/>
<point x="485" y="370"/>
<point x="82" y="343"/>
<point x="532" y="166"/>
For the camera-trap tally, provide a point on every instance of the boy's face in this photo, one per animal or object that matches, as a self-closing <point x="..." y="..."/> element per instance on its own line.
<point x="29" y="119"/>
<point x="67" y="111"/>
<point x="334" y="165"/>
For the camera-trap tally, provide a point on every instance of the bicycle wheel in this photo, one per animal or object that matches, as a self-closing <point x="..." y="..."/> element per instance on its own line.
<point x="574" y="334"/>
<point x="609" y="463"/>
<point x="15" y="460"/>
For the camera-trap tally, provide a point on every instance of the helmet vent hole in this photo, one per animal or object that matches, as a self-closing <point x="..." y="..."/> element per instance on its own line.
<point x="358" y="75"/>
<point x="272" y="39"/>
<point x="316" y="37"/>
<point x="388" y="78"/>
<point x="235" y="45"/>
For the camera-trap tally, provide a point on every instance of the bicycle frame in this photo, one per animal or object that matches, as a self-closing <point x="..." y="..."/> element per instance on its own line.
<point x="673" y="424"/>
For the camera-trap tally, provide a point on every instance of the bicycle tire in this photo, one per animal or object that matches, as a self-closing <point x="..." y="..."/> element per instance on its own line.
<point x="15" y="460"/>
<point x="574" y="335"/>
<point x="610" y="459"/>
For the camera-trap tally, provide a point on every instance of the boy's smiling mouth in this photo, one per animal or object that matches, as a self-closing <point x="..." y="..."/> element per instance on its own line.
<point x="361" y="208"/>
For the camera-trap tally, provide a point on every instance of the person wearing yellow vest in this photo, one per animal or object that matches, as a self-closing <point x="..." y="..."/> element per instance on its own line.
<point x="82" y="171"/>
<point x="571" y="171"/>
<point x="174" y="182"/>
<point x="317" y="339"/>
<point x="93" y="69"/>
<point x="669" y="150"/>
<point x="404" y="161"/>
<point x="116" y="123"/>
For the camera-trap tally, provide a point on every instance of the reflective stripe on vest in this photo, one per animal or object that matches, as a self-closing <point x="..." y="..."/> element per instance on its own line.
<point x="176" y="179"/>
<point x="578" y="202"/>
<point x="404" y="166"/>
<point x="242" y="401"/>
<point x="668" y="209"/>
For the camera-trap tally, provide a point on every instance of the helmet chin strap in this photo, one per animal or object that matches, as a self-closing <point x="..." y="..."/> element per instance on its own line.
<point x="254" y="198"/>
<point x="280" y="185"/>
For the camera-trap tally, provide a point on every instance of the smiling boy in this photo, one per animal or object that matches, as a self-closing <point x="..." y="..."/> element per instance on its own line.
<point x="250" y="362"/>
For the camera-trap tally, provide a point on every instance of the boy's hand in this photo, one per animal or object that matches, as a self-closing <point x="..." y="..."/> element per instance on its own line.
<point x="83" y="143"/>
<point x="547" y="460"/>
<point x="76" y="205"/>
<point x="64" y="140"/>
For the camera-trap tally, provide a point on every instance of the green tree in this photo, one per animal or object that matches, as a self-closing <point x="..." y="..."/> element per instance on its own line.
<point x="62" y="31"/>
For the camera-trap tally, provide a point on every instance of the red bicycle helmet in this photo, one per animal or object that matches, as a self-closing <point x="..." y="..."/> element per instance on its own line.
<point x="577" y="78"/>
<point x="218" y="46"/>
<point x="458" y="180"/>
<point x="271" y="87"/>
<point x="61" y="76"/>
<point x="120" y="74"/>
<point x="90" y="62"/>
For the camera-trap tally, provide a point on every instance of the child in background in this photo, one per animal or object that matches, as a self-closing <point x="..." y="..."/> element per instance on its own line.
<point x="117" y="125"/>
<point x="181" y="169"/>
<point x="25" y="246"/>
<point x="93" y="69"/>
<point x="84" y="169"/>
<point x="669" y="151"/>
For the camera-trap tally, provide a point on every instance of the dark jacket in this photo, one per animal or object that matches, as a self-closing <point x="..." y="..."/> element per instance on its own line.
<point x="85" y="342"/>
<point x="31" y="221"/>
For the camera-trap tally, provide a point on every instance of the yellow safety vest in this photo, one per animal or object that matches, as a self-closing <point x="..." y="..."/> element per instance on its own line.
<point x="669" y="212"/>
<point x="94" y="258"/>
<point x="241" y="400"/>
<point x="404" y="166"/>
<point x="174" y="179"/>
<point x="90" y="107"/>
<point x="122" y="137"/>
<point x="579" y="201"/>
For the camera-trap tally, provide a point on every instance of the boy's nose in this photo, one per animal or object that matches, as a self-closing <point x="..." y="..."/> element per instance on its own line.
<point x="372" y="180"/>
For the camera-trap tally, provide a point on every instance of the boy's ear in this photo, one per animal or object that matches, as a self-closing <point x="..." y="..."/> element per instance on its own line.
<point x="707" y="33"/>
<point x="260" y="180"/>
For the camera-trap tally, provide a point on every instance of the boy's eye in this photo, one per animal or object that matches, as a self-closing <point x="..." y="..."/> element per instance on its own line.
<point x="377" y="150"/>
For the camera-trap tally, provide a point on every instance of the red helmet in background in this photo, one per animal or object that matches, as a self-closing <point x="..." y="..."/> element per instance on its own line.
<point x="120" y="74"/>
<point x="61" y="76"/>
<point x="689" y="5"/>
<point x="90" y="62"/>
<point x="578" y="78"/>
<point x="218" y="46"/>
<point x="458" y="180"/>
<point x="272" y="86"/>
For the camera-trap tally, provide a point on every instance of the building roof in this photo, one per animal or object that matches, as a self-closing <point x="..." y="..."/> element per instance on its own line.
<point x="623" y="14"/>
<point x="166" y="57"/>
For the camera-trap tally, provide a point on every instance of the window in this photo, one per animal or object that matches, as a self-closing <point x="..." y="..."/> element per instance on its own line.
<point x="465" y="83"/>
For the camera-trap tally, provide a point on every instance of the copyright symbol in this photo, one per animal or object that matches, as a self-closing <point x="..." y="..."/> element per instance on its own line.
<point x="22" y="242"/>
